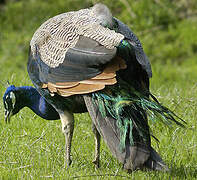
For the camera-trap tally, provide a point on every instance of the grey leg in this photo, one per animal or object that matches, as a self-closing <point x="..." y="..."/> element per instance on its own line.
<point x="67" y="120"/>
<point x="97" y="139"/>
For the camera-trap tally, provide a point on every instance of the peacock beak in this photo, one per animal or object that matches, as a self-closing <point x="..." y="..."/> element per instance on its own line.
<point x="8" y="115"/>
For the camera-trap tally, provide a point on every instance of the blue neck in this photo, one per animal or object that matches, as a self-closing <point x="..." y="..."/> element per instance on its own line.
<point x="29" y="96"/>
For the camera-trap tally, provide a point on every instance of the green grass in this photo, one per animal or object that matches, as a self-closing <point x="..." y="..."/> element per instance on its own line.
<point x="33" y="148"/>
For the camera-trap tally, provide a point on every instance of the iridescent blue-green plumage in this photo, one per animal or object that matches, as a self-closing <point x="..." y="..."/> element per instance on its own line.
<point x="118" y="111"/>
<point x="122" y="101"/>
<point x="27" y="96"/>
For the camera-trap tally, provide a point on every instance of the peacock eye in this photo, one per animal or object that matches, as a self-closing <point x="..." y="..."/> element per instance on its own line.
<point x="10" y="101"/>
<point x="6" y="105"/>
<point x="13" y="99"/>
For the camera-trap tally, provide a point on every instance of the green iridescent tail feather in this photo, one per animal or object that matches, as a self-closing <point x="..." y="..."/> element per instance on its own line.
<point x="124" y="104"/>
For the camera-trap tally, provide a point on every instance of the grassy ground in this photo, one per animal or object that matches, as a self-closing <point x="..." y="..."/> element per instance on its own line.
<point x="33" y="148"/>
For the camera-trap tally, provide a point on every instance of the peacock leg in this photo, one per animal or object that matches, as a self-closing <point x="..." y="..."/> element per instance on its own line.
<point x="67" y="120"/>
<point x="97" y="139"/>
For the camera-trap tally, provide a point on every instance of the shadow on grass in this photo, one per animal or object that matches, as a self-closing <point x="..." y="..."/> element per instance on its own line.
<point x="184" y="172"/>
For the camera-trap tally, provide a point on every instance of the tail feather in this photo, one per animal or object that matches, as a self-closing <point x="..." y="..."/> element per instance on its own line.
<point x="119" y="113"/>
<point x="130" y="108"/>
<point x="131" y="157"/>
<point x="155" y="162"/>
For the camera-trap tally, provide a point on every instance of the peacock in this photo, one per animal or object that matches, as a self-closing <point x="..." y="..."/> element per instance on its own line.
<point x="89" y="61"/>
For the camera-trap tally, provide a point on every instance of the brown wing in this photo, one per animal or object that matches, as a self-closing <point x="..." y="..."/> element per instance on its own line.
<point x="107" y="77"/>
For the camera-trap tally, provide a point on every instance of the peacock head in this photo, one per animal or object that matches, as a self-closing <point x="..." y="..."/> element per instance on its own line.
<point x="9" y="101"/>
